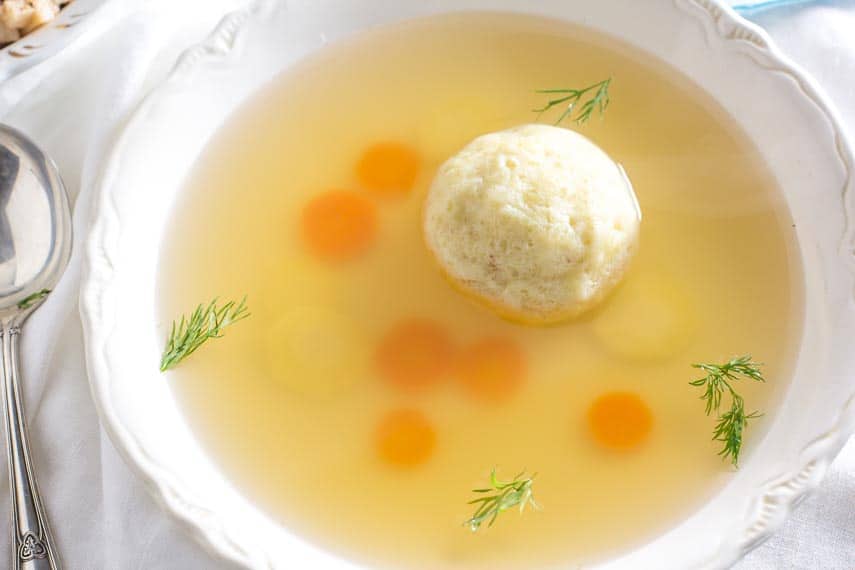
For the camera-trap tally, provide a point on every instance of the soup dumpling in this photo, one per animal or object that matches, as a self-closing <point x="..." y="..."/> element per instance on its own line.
<point x="535" y="221"/>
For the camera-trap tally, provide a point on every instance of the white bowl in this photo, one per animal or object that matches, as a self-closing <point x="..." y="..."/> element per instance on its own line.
<point x="48" y="40"/>
<point x="777" y="105"/>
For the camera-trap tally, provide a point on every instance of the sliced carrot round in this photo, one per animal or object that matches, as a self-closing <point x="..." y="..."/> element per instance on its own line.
<point x="415" y="353"/>
<point x="388" y="168"/>
<point x="492" y="369"/>
<point x="339" y="224"/>
<point x="405" y="438"/>
<point x="620" y="420"/>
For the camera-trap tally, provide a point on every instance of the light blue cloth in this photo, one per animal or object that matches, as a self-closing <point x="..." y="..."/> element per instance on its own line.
<point x="747" y="8"/>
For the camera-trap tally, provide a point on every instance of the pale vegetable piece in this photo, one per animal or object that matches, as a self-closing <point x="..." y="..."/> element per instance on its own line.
<point x="650" y="317"/>
<point x="536" y="222"/>
<point x="315" y="351"/>
<point x="454" y="121"/>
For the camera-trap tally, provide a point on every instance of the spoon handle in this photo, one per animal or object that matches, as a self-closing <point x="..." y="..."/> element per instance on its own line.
<point x="32" y="542"/>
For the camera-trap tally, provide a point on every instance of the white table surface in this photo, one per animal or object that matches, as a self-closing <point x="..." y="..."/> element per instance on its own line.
<point x="75" y="104"/>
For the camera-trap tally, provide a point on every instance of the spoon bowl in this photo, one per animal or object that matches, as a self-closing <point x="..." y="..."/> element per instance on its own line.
<point x="35" y="225"/>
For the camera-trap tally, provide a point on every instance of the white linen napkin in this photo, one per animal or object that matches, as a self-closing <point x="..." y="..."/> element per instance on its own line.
<point x="73" y="106"/>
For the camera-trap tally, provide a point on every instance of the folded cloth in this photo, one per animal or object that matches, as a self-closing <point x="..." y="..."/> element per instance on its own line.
<point x="74" y="105"/>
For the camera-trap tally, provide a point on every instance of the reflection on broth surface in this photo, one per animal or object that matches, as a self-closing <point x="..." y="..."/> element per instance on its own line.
<point x="365" y="398"/>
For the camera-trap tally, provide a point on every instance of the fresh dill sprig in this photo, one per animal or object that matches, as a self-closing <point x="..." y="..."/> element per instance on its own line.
<point x="31" y="300"/>
<point x="571" y="98"/>
<point x="206" y="322"/>
<point x="731" y="424"/>
<point x="503" y="495"/>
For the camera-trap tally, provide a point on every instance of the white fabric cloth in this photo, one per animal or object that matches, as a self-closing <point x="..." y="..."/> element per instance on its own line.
<point x="74" y="105"/>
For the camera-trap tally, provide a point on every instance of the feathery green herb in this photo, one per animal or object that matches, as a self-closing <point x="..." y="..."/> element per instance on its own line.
<point x="503" y="495"/>
<point x="206" y="322"/>
<point x="570" y="100"/>
<point x="718" y="381"/>
<point x="31" y="300"/>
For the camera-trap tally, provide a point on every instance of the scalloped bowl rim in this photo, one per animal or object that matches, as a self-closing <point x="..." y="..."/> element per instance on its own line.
<point x="768" y="507"/>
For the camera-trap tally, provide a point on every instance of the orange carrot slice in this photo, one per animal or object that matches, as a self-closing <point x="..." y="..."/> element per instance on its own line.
<point x="405" y="438"/>
<point x="388" y="168"/>
<point x="620" y="420"/>
<point x="492" y="369"/>
<point x="415" y="353"/>
<point x="338" y="225"/>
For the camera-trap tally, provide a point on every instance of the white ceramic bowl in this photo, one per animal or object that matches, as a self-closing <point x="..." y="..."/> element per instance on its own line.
<point x="778" y="107"/>
<point x="48" y="40"/>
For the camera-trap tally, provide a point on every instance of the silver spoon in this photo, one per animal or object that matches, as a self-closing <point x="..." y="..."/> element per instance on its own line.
<point x="35" y="243"/>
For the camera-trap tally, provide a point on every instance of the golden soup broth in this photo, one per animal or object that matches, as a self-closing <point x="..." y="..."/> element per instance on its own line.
<point x="289" y="402"/>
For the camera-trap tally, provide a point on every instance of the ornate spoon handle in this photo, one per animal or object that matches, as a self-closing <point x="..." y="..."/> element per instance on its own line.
<point x="31" y="541"/>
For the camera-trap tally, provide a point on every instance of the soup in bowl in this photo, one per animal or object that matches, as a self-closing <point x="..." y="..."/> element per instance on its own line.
<point x="360" y="358"/>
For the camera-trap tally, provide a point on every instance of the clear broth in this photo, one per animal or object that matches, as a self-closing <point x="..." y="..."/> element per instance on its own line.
<point x="716" y="239"/>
